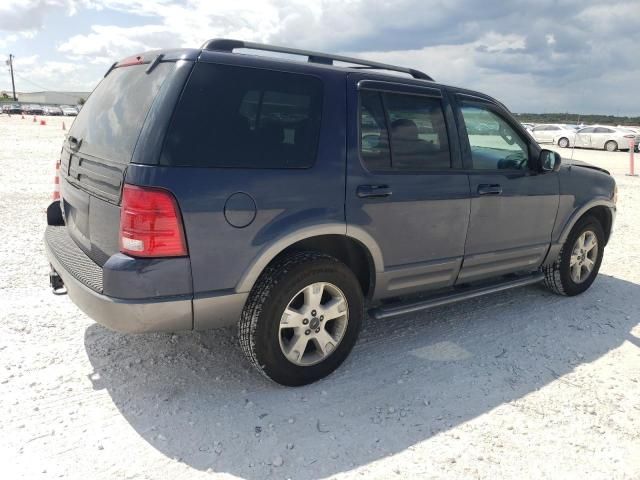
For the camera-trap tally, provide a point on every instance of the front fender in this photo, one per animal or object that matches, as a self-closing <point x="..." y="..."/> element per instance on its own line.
<point x="577" y="214"/>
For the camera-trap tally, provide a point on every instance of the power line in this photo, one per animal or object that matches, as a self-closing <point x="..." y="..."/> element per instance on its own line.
<point x="32" y="82"/>
<point x="67" y="95"/>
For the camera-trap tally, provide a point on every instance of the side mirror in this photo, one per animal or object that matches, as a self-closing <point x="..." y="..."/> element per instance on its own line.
<point x="549" y="161"/>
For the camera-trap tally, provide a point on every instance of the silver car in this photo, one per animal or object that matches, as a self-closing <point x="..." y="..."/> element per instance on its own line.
<point x="69" y="110"/>
<point x="553" y="133"/>
<point x="606" y="138"/>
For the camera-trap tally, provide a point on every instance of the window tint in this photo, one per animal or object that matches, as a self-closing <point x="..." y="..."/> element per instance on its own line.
<point x="418" y="133"/>
<point x="498" y="146"/>
<point x="245" y="117"/>
<point x="110" y="121"/>
<point x="603" y="130"/>
<point x="415" y="126"/>
<point x="374" y="137"/>
<point x="587" y="130"/>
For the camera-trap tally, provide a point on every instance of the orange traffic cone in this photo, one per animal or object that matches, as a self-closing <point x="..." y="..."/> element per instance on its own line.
<point x="43" y="122"/>
<point x="63" y="127"/>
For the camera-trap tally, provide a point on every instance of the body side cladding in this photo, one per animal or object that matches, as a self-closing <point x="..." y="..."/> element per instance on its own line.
<point x="556" y="245"/>
<point x="273" y="249"/>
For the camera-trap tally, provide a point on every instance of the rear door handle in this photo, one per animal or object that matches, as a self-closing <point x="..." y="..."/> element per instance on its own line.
<point x="374" y="191"/>
<point x="489" y="189"/>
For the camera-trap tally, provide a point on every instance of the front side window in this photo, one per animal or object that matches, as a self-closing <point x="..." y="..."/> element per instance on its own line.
<point x="499" y="146"/>
<point x="403" y="132"/>
<point x="246" y="118"/>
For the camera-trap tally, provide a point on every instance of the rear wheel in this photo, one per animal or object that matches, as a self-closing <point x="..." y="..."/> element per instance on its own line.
<point x="579" y="261"/>
<point x="611" y="146"/>
<point x="302" y="318"/>
<point x="563" y="142"/>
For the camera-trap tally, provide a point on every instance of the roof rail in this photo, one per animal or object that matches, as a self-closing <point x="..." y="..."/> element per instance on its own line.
<point x="229" y="45"/>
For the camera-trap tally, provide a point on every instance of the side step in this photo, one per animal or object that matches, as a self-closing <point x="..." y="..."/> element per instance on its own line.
<point x="388" y="311"/>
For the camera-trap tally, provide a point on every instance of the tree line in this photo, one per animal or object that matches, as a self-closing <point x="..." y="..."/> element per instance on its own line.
<point x="576" y="118"/>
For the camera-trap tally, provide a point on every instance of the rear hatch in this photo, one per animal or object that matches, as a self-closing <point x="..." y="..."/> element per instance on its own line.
<point x="99" y="147"/>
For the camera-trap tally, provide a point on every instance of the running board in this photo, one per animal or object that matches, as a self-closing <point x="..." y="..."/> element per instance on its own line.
<point x="388" y="311"/>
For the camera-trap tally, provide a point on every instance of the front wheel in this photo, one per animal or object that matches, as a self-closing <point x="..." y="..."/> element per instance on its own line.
<point x="611" y="146"/>
<point x="302" y="318"/>
<point x="579" y="261"/>
<point x="563" y="142"/>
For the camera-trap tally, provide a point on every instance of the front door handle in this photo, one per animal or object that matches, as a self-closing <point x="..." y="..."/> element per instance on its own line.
<point x="489" y="189"/>
<point x="373" y="191"/>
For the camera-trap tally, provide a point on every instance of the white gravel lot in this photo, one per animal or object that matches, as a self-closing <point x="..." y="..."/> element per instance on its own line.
<point x="523" y="384"/>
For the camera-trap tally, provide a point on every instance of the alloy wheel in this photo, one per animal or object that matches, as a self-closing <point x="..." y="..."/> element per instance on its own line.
<point x="313" y="324"/>
<point x="583" y="256"/>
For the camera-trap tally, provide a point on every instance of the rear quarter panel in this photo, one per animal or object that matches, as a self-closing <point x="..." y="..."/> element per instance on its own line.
<point x="286" y="199"/>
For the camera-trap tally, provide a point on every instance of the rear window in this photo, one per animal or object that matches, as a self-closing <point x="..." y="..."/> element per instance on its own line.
<point x="245" y="118"/>
<point x="111" y="120"/>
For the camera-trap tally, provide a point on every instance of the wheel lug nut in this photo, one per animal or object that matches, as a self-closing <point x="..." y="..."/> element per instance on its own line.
<point x="313" y="313"/>
<point x="321" y="317"/>
<point x="317" y="330"/>
<point x="305" y="321"/>
<point x="307" y="332"/>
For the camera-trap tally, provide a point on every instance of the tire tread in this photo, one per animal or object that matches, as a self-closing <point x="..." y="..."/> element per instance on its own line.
<point x="264" y="286"/>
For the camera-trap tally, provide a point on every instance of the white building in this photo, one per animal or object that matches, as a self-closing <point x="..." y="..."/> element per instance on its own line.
<point x="58" y="98"/>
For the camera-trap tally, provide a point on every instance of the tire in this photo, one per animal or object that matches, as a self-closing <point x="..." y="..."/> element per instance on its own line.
<point x="611" y="146"/>
<point x="563" y="142"/>
<point x="262" y="336"/>
<point x="558" y="276"/>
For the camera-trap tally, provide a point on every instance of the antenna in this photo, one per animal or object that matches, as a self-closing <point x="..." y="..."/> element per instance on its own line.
<point x="573" y="147"/>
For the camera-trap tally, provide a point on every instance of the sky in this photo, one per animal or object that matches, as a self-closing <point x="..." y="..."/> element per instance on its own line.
<point x="535" y="56"/>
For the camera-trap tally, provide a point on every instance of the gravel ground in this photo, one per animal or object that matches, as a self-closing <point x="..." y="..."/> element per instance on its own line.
<point x="523" y="384"/>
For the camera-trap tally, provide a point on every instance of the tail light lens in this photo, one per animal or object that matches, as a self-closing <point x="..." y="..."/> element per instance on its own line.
<point x="150" y="223"/>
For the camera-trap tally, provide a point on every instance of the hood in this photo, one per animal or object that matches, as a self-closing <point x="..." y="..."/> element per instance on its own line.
<point x="580" y="163"/>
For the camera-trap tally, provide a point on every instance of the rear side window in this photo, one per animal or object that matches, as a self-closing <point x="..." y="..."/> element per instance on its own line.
<point x="110" y="121"/>
<point x="245" y="118"/>
<point x="402" y="132"/>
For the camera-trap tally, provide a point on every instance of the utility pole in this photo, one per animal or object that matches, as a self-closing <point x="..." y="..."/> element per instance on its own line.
<point x="13" y="83"/>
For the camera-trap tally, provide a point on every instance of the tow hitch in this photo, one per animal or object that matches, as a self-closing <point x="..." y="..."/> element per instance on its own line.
<point x="57" y="285"/>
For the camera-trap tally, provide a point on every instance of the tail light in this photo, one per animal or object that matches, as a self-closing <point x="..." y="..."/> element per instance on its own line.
<point x="150" y="223"/>
<point x="56" y="183"/>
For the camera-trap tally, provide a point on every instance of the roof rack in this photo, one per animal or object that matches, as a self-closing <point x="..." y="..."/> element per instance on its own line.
<point x="229" y="45"/>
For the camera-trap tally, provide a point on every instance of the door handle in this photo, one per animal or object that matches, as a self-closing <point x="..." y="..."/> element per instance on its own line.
<point x="489" y="189"/>
<point x="373" y="191"/>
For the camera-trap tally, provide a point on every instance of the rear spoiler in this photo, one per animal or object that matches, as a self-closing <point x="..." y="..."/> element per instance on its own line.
<point x="153" y="58"/>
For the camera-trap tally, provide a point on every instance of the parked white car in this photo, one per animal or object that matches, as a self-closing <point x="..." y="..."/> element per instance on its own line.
<point x="553" y="133"/>
<point x="603" y="137"/>
<point x="69" y="110"/>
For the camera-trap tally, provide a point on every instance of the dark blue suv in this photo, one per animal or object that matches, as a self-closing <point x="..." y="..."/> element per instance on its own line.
<point x="206" y="188"/>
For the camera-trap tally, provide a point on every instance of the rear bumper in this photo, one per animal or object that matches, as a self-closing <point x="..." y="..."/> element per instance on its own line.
<point x="148" y="285"/>
<point x="84" y="286"/>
